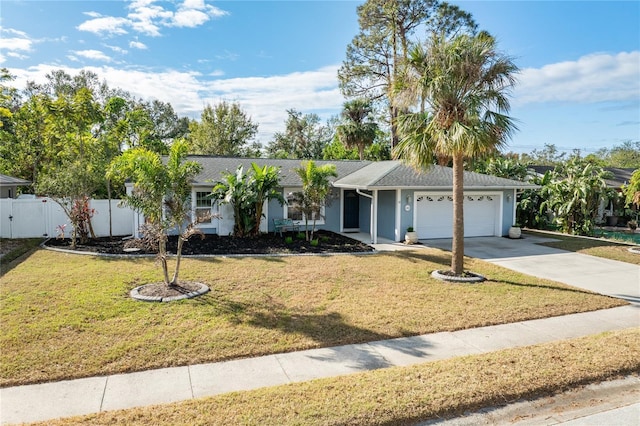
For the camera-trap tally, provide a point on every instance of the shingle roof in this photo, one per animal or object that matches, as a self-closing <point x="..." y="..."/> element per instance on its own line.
<point x="213" y="167"/>
<point x="12" y="181"/>
<point x="395" y="174"/>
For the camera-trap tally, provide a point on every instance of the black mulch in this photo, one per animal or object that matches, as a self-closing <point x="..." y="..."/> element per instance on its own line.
<point x="328" y="242"/>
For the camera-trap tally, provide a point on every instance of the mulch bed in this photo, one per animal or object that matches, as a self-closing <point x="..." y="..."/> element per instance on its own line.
<point x="328" y="242"/>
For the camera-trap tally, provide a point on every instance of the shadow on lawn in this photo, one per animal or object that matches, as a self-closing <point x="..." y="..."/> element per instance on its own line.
<point x="325" y="329"/>
<point x="415" y="256"/>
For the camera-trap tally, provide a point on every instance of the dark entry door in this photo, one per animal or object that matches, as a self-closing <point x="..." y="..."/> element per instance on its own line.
<point x="351" y="210"/>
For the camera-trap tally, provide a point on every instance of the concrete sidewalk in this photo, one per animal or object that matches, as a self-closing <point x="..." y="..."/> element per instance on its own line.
<point x="83" y="396"/>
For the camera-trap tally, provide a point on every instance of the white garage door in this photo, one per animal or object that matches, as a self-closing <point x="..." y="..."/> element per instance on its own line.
<point x="434" y="215"/>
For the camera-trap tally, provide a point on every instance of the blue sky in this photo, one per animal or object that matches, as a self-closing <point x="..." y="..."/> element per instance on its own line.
<point x="579" y="86"/>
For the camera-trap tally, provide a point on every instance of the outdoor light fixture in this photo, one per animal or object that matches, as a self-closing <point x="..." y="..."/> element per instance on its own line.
<point x="508" y="197"/>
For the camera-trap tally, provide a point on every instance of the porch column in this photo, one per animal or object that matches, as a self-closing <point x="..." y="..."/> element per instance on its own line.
<point x="374" y="217"/>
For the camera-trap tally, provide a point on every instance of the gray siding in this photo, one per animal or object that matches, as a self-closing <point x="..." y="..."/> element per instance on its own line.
<point x="386" y="214"/>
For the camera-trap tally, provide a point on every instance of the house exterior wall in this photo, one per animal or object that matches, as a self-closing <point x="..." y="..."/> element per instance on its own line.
<point x="365" y="214"/>
<point x="387" y="214"/>
<point x="406" y="215"/>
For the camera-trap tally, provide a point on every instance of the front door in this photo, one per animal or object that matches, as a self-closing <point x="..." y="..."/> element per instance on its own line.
<point x="351" y="210"/>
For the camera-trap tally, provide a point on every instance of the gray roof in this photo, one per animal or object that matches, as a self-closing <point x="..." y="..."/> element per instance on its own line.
<point x="213" y="167"/>
<point x="12" y="181"/>
<point x="395" y="174"/>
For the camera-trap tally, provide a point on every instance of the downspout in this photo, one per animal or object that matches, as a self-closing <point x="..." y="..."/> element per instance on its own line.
<point x="371" y="222"/>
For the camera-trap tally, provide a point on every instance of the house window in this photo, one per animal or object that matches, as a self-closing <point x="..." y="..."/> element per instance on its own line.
<point x="203" y="207"/>
<point x="292" y="209"/>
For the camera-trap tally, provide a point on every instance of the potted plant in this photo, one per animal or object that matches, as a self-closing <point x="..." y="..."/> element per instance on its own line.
<point x="515" y="231"/>
<point x="411" y="237"/>
<point x="633" y="224"/>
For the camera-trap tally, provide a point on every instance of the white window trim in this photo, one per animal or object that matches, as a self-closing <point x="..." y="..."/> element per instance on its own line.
<point x="285" y="215"/>
<point x="194" y="207"/>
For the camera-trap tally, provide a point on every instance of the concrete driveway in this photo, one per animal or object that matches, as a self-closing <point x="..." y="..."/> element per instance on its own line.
<point x="604" y="276"/>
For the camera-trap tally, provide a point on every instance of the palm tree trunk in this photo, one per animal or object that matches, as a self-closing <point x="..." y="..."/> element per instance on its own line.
<point x="162" y="255"/>
<point x="457" y="246"/>
<point x="174" y="280"/>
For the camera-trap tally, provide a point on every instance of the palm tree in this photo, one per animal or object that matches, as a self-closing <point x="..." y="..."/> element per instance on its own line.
<point x="461" y="87"/>
<point x="357" y="129"/>
<point x="315" y="189"/>
<point x="162" y="192"/>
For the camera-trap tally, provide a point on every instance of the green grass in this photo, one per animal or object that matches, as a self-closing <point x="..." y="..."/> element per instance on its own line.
<point x="404" y="395"/>
<point x="68" y="316"/>
<point x="595" y="247"/>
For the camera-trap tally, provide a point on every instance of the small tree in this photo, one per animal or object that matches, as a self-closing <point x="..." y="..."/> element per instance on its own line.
<point x="315" y="189"/>
<point x="162" y="192"/>
<point x="247" y="193"/>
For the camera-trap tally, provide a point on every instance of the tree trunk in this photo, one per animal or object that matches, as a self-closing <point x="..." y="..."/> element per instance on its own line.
<point x="174" y="280"/>
<point x="162" y="255"/>
<point x="457" y="246"/>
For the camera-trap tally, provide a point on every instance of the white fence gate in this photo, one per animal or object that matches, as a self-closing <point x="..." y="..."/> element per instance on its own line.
<point x="43" y="217"/>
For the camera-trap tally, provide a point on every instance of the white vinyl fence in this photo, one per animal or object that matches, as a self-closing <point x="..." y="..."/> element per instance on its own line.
<point x="42" y="217"/>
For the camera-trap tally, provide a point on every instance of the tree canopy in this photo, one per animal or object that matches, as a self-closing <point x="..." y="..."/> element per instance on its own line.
<point x="224" y="130"/>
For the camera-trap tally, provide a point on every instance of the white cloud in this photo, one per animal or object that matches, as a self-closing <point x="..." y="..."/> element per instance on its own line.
<point x="190" y="18"/>
<point x="109" y="25"/>
<point x="15" y="42"/>
<point x="147" y="17"/>
<point x="92" y="54"/>
<point x="593" y="78"/>
<point x="134" y="44"/>
<point x="117" y="49"/>
<point x="265" y="99"/>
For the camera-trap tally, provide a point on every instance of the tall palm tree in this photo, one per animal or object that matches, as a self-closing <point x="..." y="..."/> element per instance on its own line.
<point x="461" y="89"/>
<point x="357" y="129"/>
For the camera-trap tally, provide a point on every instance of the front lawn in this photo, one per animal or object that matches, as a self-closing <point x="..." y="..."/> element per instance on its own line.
<point x="595" y="247"/>
<point x="404" y="395"/>
<point x="69" y="316"/>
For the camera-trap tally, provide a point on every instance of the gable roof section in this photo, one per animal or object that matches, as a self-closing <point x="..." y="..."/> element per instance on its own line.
<point x="395" y="174"/>
<point x="12" y="181"/>
<point x="213" y="168"/>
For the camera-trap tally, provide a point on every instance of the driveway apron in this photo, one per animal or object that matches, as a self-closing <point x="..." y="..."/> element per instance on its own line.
<point x="526" y="255"/>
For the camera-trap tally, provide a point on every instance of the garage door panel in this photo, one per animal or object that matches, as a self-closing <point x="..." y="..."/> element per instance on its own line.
<point x="434" y="215"/>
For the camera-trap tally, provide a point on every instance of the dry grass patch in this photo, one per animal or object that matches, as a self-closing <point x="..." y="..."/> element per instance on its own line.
<point x="600" y="248"/>
<point x="405" y="395"/>
<point x="67" y="316"/>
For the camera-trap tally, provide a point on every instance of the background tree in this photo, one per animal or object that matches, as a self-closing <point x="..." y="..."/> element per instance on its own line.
<point x="550" y="155"/>
<point x="304" y="137"/>
<point x="224" y="129"/>
<point x="162" y="193"/>
<point x="73" y="175"/>
<point x="357" y="129"/>
<point x="504" y="167"/>
<point x="376" y="56"/>
<point x="460" y="87"/>
<point x="315" y="189"/>
<point x="626" y="155"/>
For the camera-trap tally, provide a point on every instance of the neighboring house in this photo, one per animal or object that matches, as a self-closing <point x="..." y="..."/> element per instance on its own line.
<point x="380" y="198"/>
<point x="9" y="186"/>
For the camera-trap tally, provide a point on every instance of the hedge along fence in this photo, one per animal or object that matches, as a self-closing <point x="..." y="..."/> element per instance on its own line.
<point x="44" y="218"/>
